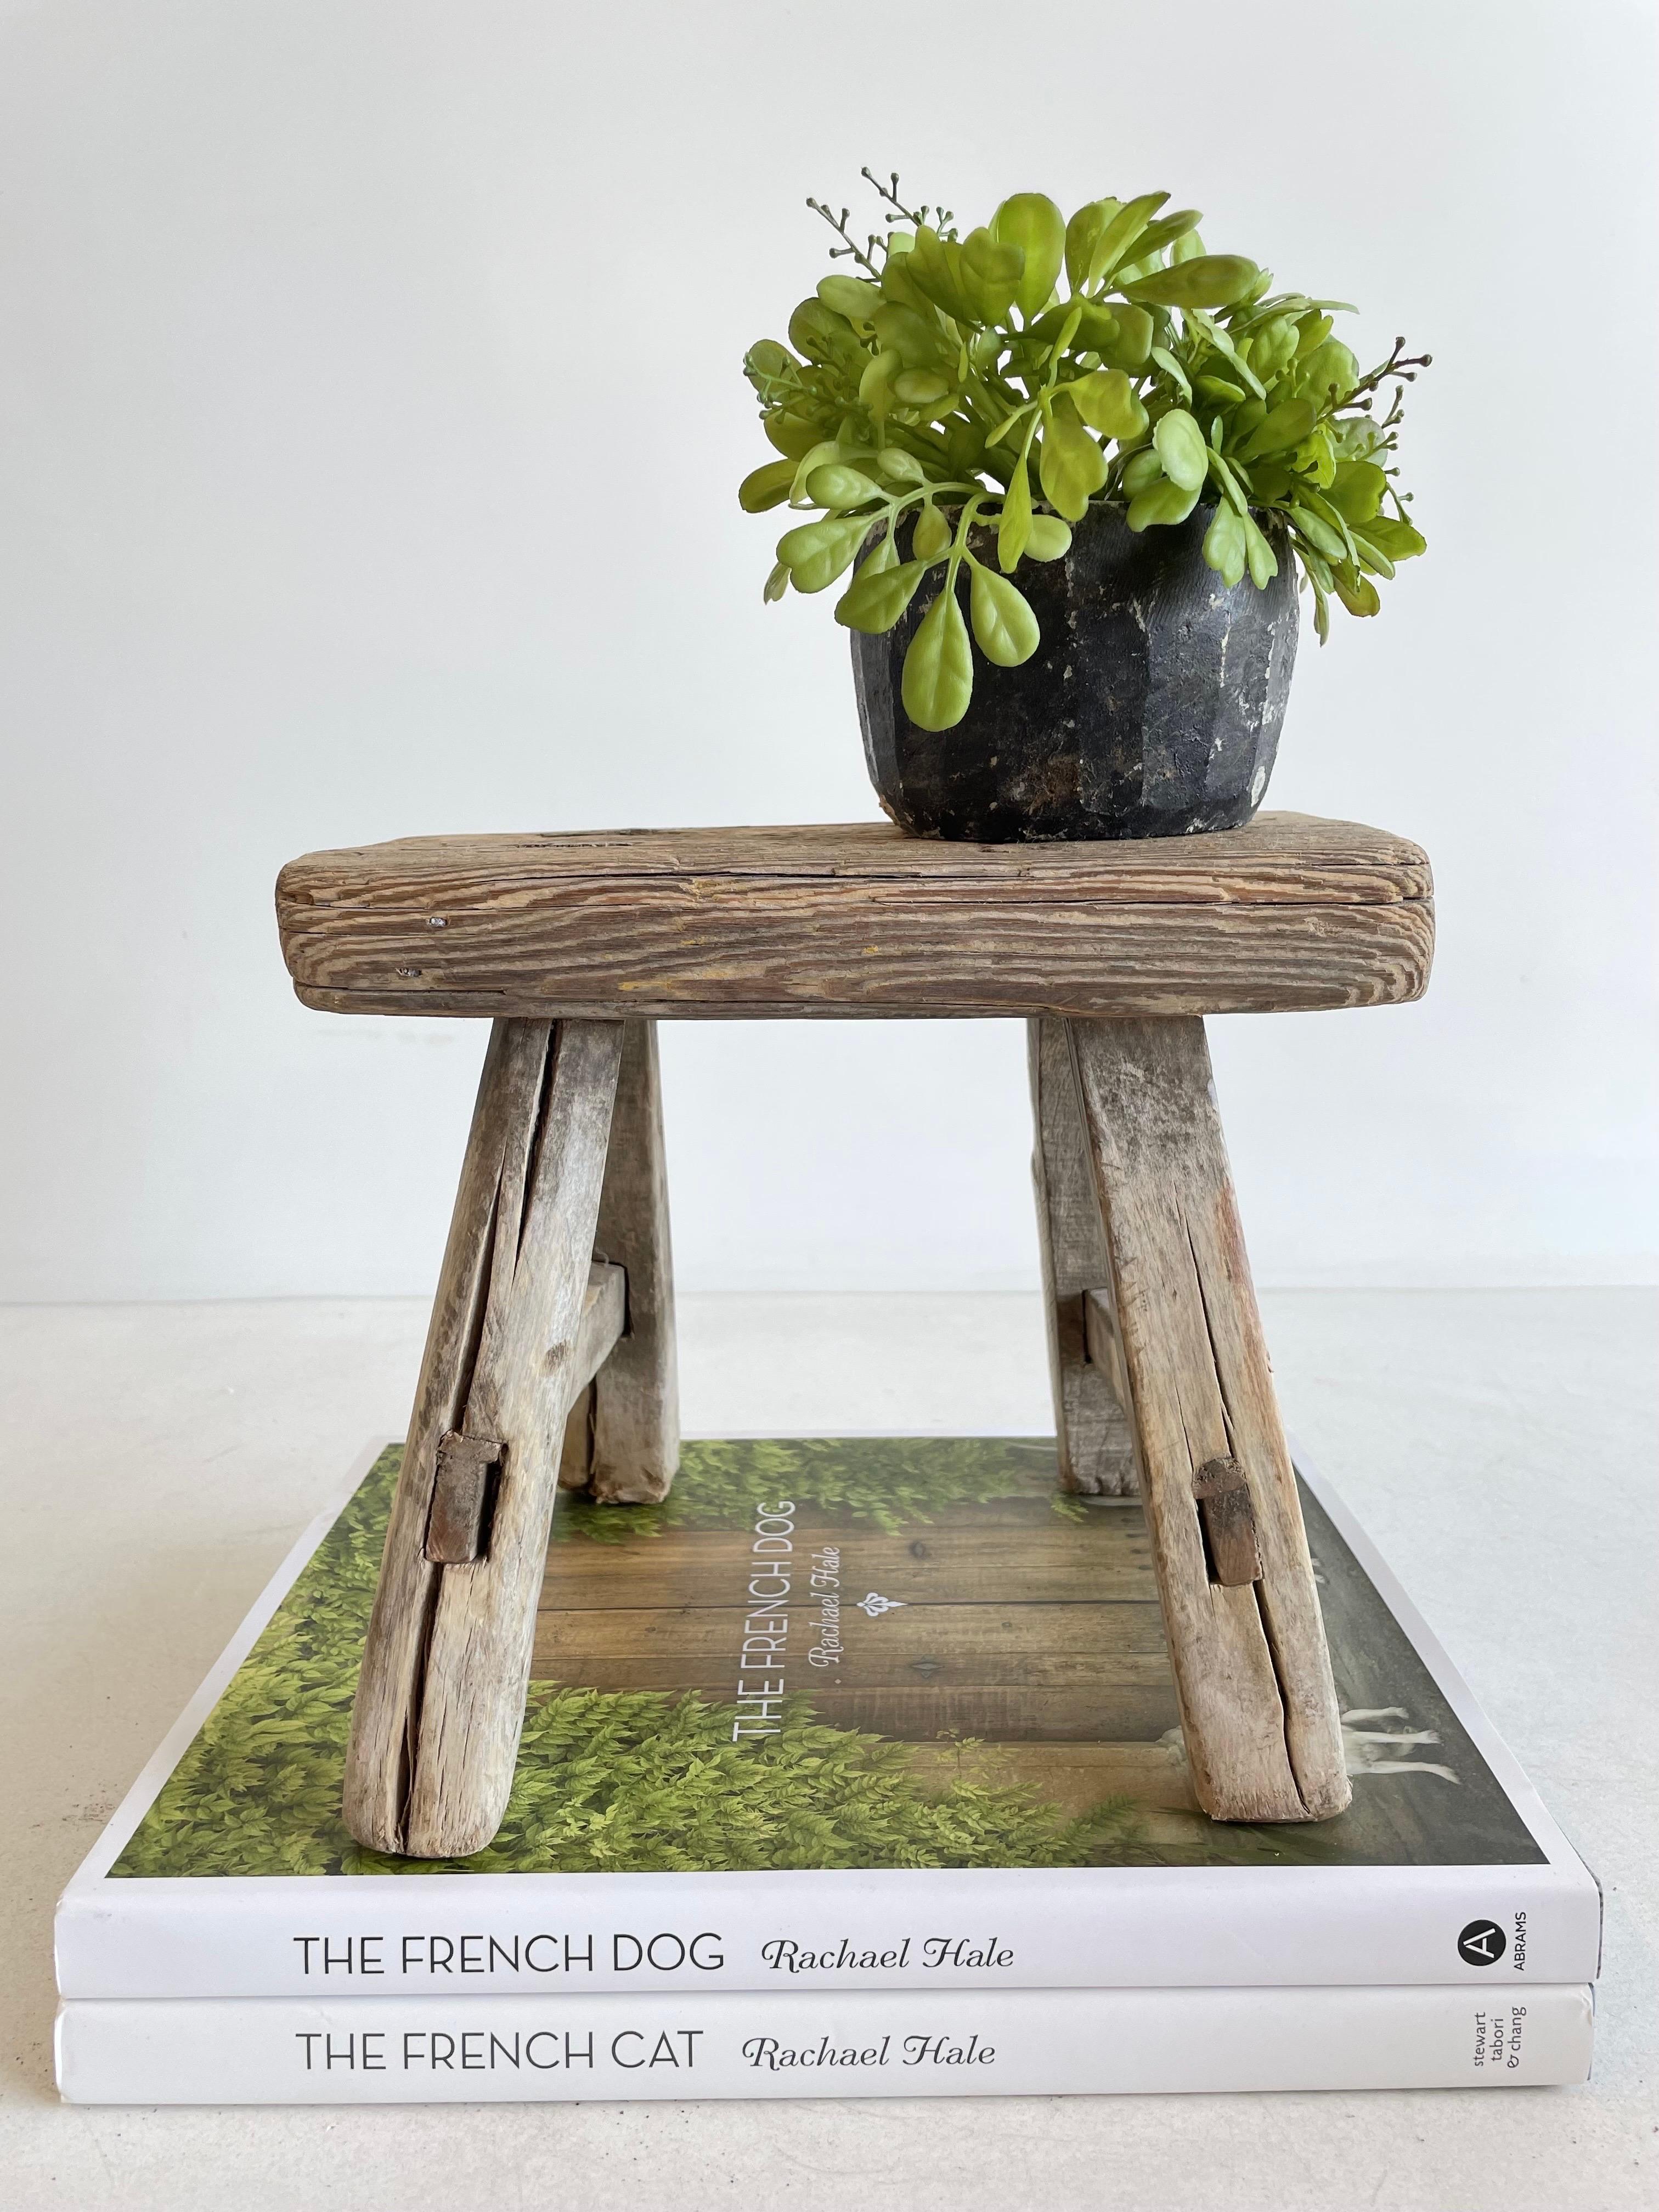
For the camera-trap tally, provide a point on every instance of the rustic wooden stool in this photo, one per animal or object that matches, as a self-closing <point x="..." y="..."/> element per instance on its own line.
<point x="551" y="1353"/>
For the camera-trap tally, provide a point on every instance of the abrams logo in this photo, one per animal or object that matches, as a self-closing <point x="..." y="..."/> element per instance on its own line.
<point x="1482" y="1943"/>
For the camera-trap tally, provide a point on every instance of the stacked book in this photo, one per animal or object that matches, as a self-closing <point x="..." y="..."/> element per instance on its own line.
<point x="855" y="1769"/>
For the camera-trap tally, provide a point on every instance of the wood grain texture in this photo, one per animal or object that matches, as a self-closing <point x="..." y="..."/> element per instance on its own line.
<point x="1228" y="1519"/>
<point x="1091" y="1430"/>
<point x="458" y="1529"/>
<point x="633" y="1424"/>
<point x="440" y="1699"/>
<point x="381" y="1743"/>
<point x="483" y="1630"/>
<point x="858" y="920"/>
<point x="1259" y="1712"/>
<point x="1054" y="1562"/>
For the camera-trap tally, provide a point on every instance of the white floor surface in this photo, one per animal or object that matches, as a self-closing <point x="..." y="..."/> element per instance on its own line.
<point x="1500" y="1446"/>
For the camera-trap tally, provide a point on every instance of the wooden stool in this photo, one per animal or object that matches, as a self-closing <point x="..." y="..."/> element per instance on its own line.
<point x="551" y="1353"/>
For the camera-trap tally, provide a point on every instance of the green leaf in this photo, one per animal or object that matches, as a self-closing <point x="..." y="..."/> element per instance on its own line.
<point x="991" y="275"/>
<point x="1003" y="625"/>
<point x="1264" y="561"/>
<point x="899" y="466"/>
<point x="1232" y="488"/>
<point x="767" y="359"/>
<point x="817" y="552"/>
<point x="1319" y="533"/>
<point x="919" y="387"/>
<point x="1166" y="231"/>
<point x="835" y="484"/>
<point x="1357" y="491"/>
<point x="766" y="486"/>
<point x="1142" y="469"/>
<point x="917" y="338"/>
<point x="825" y="452"/>
<point x="1321" y="609"/>
<point x="1031" y="221"/>
<point x="885" y="555"/>
<point x="1399" y="540"/>
<point x="790" y="432"/>
<point x="1072" y="468"/>
<point x="1162" y="502"/>
<point x="1121" y="233"/>
<point x="1098" y="328"/>
<point x="1172" y="368"/>
<point x="824" y="337"/>
<point x="1106" y="400"/>
<point x="1371" y="559"/>
<point x="931" y="535"/>
<point x="939" y="668"/>
<point x="1132" y="346"/>
<point x="1181" y="447"/>
<point x="1329" y="372"/>
<point x="855" y="297"/>
<point x="777" y="583"/>
<point x="934" y="266"/>
<point x="1213" y="280"/>
<point x="1082" y="235"/>
<point x="873" y="603"/>
<point x="1274" y="348"/>
<point x="1224" y="544"/>
<point x="1285" y="425"/>
<point x="1050" y="538"/>
<point x="1014" y="531"/>
<point x="1357" y="593"/>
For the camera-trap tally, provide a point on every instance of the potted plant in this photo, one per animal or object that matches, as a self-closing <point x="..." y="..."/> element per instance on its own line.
<point x="1146" y="434"/>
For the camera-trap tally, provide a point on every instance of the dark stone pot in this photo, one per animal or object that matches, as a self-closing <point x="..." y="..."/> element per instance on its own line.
<point x="1152" y="708"/>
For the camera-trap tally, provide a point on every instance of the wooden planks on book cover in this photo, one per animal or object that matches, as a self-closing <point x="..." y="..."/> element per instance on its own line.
<point x="858" y="919"/>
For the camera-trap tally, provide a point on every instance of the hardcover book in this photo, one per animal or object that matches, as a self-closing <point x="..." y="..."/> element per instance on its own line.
<point x="791" y="2043"/>
<point x="860" y="1715"/>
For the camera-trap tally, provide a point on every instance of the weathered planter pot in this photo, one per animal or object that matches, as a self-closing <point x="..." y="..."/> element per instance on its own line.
<point x="1152" y="708"/>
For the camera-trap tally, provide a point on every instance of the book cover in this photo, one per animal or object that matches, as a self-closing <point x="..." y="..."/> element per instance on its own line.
<point x="915" y="2043"/>
<point x="852" y="1713"/>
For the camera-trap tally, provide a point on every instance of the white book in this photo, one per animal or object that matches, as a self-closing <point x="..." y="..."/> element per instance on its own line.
<point x="917" y="2043"/>
<point x="960" y="1767"/>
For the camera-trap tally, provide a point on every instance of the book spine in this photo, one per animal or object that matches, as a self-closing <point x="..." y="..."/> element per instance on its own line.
<point x="1496" y="1928"/>
<point x="278" y="2050"/>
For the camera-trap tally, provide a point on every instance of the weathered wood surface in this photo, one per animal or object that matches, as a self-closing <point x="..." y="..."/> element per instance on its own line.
<point x="1136" y="1711"/>
<point x="1045" y="1561"/>
<point x="1259" y="1712"/>
<point x="858" y="920"/>
<point x="456" y="1530"/>
<point x="460" y="1494"/>
<point x="1091" y="1430"/>
<point x="440" y="1702"/>
<point x="1228" y="1519"/>
<point x="1033" y="1647"/>
<point x="634" y="1424"/>
<point x="387" y="1706"/>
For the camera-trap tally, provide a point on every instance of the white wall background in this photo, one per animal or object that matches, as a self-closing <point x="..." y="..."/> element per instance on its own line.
<point x="369" y="428"/>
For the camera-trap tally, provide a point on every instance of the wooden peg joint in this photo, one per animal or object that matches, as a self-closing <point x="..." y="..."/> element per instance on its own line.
<point x="457" y="1529"/>
<point x="1229" y="1522"/>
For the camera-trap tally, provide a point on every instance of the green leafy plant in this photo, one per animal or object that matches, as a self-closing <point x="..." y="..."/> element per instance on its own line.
<point x="963" y="402"/>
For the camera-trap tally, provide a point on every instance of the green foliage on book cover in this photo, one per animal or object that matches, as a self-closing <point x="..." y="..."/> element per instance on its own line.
<point x="651" y="1780"/>
<point x="610" y="1781"/>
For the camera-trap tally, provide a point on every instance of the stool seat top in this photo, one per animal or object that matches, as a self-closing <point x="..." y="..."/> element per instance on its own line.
<point x="858" y="920"/>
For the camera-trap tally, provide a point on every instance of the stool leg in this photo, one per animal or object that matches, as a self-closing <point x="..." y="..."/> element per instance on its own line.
<point x="1258" y="1709"/>
<point x="1097" y="1451"/>
<point x="625" y="1441"/>
<point x="440" y="1702"/>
